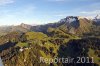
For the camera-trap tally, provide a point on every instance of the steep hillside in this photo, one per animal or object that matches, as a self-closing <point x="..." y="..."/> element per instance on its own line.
<point x="70" y="24"/>
<point x="71" y="37"/>
<point x="25" y="49"/>
<point x="82" y="48"/>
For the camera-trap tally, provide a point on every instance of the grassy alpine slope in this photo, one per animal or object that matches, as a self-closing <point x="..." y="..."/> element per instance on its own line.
<point x="62" y="39"/>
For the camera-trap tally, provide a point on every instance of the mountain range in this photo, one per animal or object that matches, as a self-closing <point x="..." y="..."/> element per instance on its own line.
<point x="70" y="24"/>
<point x="72" y="36"/>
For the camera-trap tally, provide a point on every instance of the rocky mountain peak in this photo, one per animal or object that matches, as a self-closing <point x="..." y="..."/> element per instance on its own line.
<point x="69" y="19"/>
<point x="97" y="17"/>
<point x="97" y="20"/>
<point x="25" y="26"/>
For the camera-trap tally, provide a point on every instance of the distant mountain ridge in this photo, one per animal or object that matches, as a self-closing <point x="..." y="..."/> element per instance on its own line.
<point x="25" y="26"/>
<point x="18" y="28"/>
<point x="70" y="24"/>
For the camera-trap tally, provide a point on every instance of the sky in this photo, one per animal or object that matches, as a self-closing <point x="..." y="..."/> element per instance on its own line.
<point x="34" y="12"/>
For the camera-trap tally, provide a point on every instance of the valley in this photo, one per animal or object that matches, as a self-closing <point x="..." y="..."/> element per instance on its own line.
<point x="23" y="45"/>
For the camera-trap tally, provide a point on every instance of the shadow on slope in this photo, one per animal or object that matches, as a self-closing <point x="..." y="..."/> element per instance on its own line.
<point x="80" y="48"/>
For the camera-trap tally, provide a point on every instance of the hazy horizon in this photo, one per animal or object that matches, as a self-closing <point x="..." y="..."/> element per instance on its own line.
<point x="15" y="12"/>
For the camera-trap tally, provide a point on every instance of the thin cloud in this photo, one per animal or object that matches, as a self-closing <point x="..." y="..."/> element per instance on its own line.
<point x="67" y="0"/>
<point x="60" y="15"/>
<point x="91" y="12"/>
<point x="5" y="2"/>
<point x="26" y="10"/>
<point x="22" y="14"/>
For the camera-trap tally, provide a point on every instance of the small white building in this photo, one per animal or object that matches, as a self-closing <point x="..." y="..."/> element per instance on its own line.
<point x="21" y="49"/>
